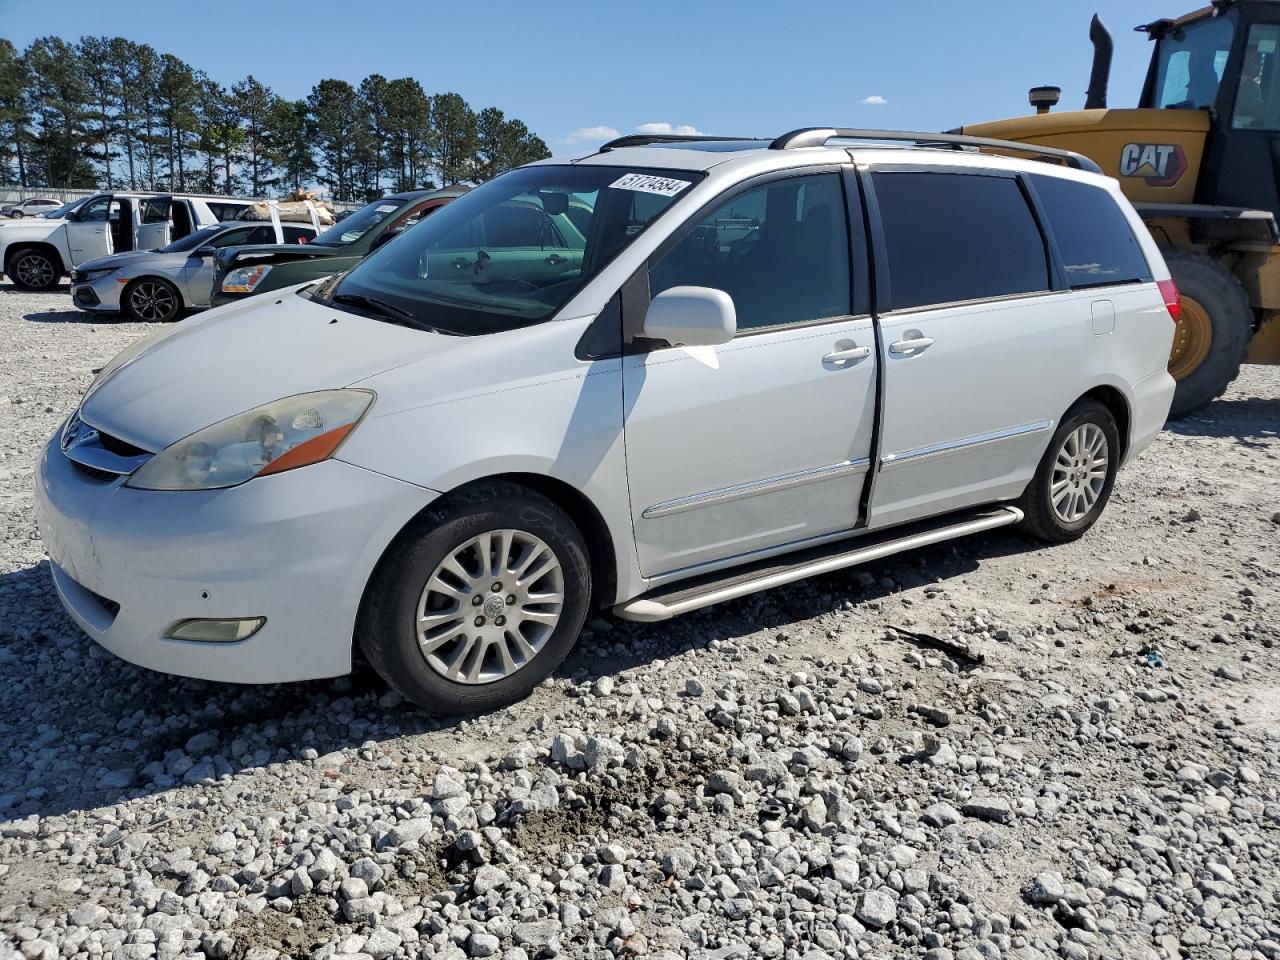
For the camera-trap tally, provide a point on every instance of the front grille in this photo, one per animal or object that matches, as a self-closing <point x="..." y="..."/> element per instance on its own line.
<point x="94" y="472"/>
<point x="119" y="447"/>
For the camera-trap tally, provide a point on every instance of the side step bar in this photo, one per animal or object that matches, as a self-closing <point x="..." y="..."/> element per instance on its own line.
<point x="682" y="597"/>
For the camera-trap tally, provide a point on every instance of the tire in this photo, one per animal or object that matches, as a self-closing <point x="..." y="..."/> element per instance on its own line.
<point x="1215" y="309"/>
<point x="17" y="215"/>
<point x="444" y="670"/>
<point x="152" y="300"/>
<point x="33" y="270"/>
<point x="1080" y="504"/>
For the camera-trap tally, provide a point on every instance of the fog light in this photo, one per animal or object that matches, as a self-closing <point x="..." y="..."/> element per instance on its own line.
<point x="222" y="631"/>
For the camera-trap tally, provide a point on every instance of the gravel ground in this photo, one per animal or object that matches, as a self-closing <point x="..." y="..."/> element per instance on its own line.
<point x="1085" y="767"/>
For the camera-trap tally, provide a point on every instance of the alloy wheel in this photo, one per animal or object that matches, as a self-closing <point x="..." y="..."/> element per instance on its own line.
<point x="152" y="300"/>
<point x="34" y="270"/>
<point x="490" y="606"/>
<point x="1079" y="472"/>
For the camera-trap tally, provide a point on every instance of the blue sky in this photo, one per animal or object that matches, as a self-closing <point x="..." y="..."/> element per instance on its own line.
<point x="575" y="70"/>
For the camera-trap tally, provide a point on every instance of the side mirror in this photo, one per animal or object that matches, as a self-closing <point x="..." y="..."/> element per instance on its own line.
<point x="691" y="317"/>
<point x="205" y="251"/>
<point x="384" y="239"/>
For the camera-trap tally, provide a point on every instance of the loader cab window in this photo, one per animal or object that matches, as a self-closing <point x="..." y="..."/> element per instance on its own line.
<point x="1190" y="61"/>
<point x="1258" y="96"/>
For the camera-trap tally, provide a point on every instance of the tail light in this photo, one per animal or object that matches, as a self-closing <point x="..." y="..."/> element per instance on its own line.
<point x="1172" y="299"/>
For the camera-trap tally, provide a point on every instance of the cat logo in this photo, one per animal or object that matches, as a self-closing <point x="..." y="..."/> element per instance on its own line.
<point x="1160" y="164"/>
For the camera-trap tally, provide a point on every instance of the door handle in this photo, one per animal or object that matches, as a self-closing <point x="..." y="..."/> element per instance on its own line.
<point x="913" y="344"/>
<point x="555" y="259"/>
<point x="847" y="355"/>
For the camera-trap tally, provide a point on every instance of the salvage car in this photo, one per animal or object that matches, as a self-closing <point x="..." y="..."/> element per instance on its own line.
<point x="156" y="286"/>
<point x="38" y="252"/>
<point x="450" y="467"/>
<point x="245" y="271"/>
<point x="31" y="207"/>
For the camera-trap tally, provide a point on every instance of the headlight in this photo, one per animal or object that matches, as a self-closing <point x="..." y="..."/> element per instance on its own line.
<point x="95" y="274"/>
<point x="288" y="433"/>
<point x="244" y="279"/>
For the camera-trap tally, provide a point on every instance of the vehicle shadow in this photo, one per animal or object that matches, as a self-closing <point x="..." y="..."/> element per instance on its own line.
<point x="1248" y="419"/>
<point x="63" y="287"/>
<point x="56" y="315"/>
<point x="90" y="728"/>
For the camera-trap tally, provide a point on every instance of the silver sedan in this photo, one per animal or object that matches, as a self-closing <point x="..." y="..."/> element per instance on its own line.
<point x="158" y="285"/>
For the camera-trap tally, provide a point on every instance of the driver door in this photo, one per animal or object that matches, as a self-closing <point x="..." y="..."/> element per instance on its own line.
<point x="763" y="442"/>
<point x="89" y="234"/>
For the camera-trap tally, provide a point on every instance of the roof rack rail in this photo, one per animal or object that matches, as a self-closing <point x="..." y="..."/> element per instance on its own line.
<point x="818" y="136"/>
<point x="644" y="139"/>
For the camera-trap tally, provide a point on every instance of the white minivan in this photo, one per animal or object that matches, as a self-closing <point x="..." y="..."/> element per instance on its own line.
<point x="762" y="360"/>
<point x="35" y="253"/>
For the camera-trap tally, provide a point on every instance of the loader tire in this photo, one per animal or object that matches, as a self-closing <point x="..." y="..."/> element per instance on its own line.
<point x="1214" y="329"/>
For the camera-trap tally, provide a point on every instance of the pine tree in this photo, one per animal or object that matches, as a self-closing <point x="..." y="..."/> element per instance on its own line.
<point x="103" y="84"/>
<point x="58" y="94"/>
<point x="291" y="144"/>
<point x="456" y="137"/>
<point x="335" y="127"/>
<point x="15" y="114"/>
<point x="254" y="104"/>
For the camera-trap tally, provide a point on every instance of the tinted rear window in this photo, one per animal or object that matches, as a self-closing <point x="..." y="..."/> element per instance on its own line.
<point x="955" y="236"/>
<point x="1094" y="238"/>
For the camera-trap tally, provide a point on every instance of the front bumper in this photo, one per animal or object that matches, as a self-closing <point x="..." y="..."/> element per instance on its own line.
<point x="101" y="295"/>
<point x="296" y="548"/>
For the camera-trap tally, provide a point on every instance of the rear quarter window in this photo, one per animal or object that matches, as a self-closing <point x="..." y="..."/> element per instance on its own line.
<point x="956" y="236"/>
<point x="1094" y="239"/>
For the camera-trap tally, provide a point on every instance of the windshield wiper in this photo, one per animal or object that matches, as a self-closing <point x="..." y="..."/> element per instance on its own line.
<point x="388" y="310"/>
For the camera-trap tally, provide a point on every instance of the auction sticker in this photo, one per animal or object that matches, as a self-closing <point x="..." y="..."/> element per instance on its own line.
<point x="647" y="183"/>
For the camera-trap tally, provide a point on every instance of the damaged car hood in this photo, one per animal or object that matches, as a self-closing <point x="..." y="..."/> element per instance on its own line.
<point x="227" y="361"/>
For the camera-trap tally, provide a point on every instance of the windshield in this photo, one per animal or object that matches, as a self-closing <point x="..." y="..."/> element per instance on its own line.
<point x="1190" y="61"/>
<point x="514" y="251"/>
<point x="351" y="228"/>
<point x="193" y="240"/>
<point x="59" y="212"/>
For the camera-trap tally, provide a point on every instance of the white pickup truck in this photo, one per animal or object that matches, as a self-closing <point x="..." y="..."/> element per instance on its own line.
<point x="35" y="253"/>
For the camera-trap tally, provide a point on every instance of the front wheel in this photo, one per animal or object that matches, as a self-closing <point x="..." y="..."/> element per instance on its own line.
<point x="152" y="300"/>
<point x="477" y="601"/>
<point x="1074" y="479"/>
<point x="33" y="270"/>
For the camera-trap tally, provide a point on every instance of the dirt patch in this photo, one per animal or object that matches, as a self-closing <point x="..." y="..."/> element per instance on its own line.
<point x="295" y="934"/>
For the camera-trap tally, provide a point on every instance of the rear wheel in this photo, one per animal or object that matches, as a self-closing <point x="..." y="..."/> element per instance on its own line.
<point x="1074" y="479"/>
<point x="33" y="270"/>
<point x="1213" y="330"/>
<point x="477" y="601"/>
<point x="152" y="300"/>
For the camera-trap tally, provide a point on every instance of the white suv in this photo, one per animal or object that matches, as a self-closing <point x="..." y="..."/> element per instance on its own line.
<point x="650" y="379"/>
<point x="36" y="253"/>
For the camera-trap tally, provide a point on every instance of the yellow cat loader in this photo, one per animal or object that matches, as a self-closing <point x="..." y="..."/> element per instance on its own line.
<point x="1200" y="159"/>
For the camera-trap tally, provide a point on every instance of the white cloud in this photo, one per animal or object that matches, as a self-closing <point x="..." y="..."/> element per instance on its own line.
<point x="592" y="133"/>
<point x="875" y="100"/>
<point x="684" y="129"/>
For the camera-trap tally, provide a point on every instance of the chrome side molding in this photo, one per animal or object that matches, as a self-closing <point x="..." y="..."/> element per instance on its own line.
<point x="743" y="490"/>
<point x="951" y="446"/>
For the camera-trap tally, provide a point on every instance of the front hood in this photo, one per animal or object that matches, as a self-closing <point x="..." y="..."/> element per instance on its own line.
<point x="278" y="253"/>
<point x="238" y="357"/>
<point x="118" y="260"/>
<point x="28" y="228"/>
